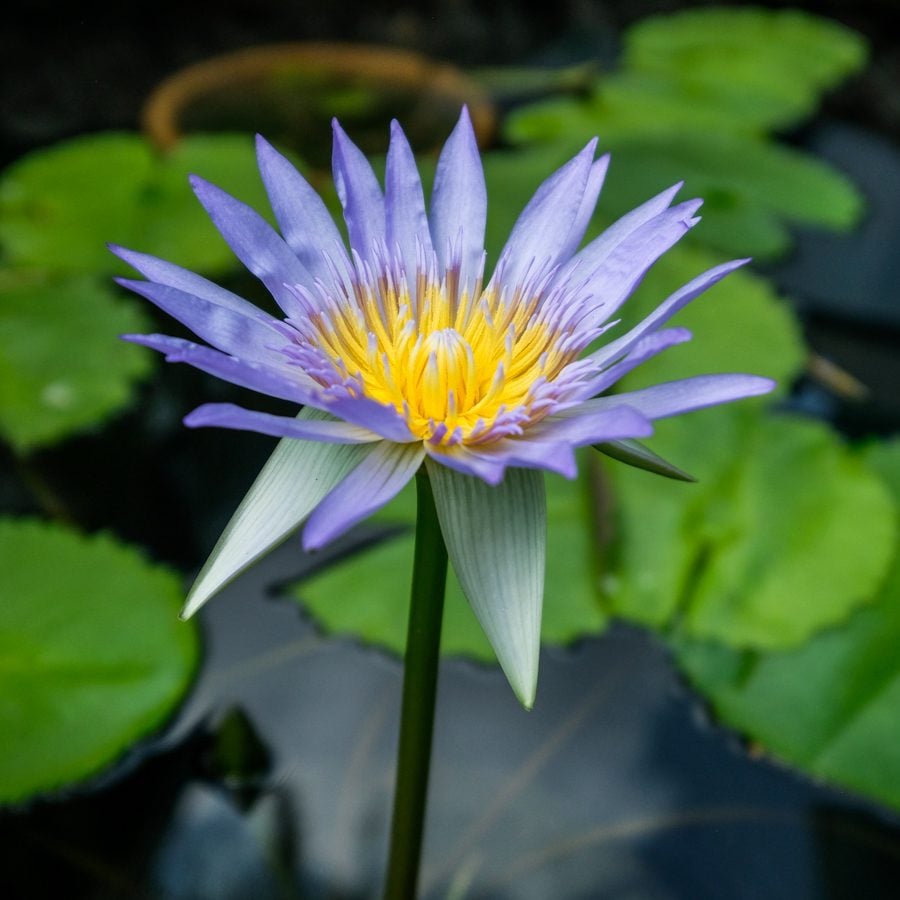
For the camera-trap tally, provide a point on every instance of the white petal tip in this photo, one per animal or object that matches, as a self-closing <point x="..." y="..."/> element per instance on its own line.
<point x="192" y="606"/>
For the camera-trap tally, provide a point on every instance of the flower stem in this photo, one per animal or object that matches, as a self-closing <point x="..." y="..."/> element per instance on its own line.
<point x="423" y="642"/>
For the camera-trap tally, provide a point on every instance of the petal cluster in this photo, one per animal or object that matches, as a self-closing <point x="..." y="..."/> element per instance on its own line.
<point x="401" y="352"/>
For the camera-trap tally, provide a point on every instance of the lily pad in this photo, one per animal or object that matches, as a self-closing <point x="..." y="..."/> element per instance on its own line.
<point x="745" y="71"/>
<point x="93" y="656"/>
<point x="61" y="205"/>
<point x="830" y="705"/>
<point x="769" y="67"/>
<point x="786" y="533"/>
<point x="367" y="595"/>
<point x="62" y="367"/>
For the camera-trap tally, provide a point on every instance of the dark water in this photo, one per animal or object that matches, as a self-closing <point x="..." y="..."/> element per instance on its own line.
<point x="615" y="785"/>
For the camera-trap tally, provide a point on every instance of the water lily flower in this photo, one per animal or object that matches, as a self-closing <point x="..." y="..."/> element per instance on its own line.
<point x="403" y="353"/>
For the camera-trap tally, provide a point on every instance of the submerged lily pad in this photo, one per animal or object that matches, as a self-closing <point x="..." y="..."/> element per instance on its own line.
<point x="830" y="705"/>
<point x="367" y="595"/>
<point x="786" y="533"/>
<point x="62" y="366"/>
<point x="93" y="656"/>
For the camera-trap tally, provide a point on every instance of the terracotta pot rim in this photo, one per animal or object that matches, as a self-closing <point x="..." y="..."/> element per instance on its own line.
<point x="378" y="64"/>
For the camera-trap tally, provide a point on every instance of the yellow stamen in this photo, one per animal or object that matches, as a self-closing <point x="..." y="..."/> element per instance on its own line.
<point x="441" y="359"/>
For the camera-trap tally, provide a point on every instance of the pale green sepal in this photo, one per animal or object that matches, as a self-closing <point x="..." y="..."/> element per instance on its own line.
<point x="292" y="483"/>
<point x="496" y="539"/>
<point x="633" y="453"/>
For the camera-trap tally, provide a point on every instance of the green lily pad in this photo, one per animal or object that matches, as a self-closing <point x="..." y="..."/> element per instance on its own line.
<point x="367" y="595"/>
<point x="93" y="656"/>
<point x="61" y="205"/>
<point x="830" y="705"/>
<point x="786" y="533"/>
<point x="768" y="66"/>
<point x="62" y="366"/>
<point x="745" y="71"/>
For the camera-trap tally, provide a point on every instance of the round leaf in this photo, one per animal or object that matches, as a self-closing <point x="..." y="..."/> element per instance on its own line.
<point x="92" y="654"/>
<point x="829" y="706"/>
<point x="62" y="366"/>
<point x="786" y="533"/>
<point x="59" y="206"/>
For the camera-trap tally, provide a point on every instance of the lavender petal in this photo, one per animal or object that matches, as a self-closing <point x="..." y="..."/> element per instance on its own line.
<point x="298" y="388"/>
<point x="459" y="200"/>
<point x="227" y="330"/>
<point x="406" y="223"/>
<point x="359" y="193"/>
<point x="374" y="482"/>
<point x="303" y="218"/>
<point x="255" y="243"/>
<point x="328" y="431"/>
<point x="542" y="230"/>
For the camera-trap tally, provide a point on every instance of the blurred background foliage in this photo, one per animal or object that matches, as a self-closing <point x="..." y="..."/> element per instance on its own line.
<point x="774" y="579"/>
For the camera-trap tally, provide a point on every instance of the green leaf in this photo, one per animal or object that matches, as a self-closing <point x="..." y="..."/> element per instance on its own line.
<point x="62" y="366"/>
<point x="61" y="205"/>
<point x="92" y="655"/>
<point x="770" y="67"/>
<point x="830" y="705"/>
<point x="367" y="594"/>
<point x="786" y="533"/>
<point x="743" y="71"/>
<point x="634" y="453"/>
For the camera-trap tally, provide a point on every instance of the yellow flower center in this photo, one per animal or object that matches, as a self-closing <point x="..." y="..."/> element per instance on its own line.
<point x="451" y="365"/>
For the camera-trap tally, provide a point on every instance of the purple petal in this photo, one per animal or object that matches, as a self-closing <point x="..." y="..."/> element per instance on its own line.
<point x="667" y="309"/>
<point x="368" y="414"/>
<point x="359" y="193"/>
<point x="298" y="389"/>
<point x="595" y="180"/>
<point x="167" y="273"/>
<point x="406" y="223"/>
<point x="676" y="397"/>
<point x="459" y="200"/>
<point x="461" y="459"/>
<point x="597" y="251"/>
<point x="543" y="228"/>
<point x="374" y="482"/>
<point x="625" y="266"/>
<point x="640" y="353"/>
<point x="328" y="431"/>
<point x="528" y="453"/>
<point x="232" y="332"/>
<point x="303" y="218"/>
<point x="586" y="424"/>
<point x="255" y="243"/>
<point x="489" y="461"/>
